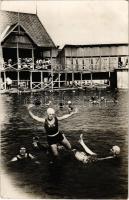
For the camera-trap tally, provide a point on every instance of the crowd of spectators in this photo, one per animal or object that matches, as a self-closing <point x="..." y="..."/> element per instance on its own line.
<point x="27" y="63"/>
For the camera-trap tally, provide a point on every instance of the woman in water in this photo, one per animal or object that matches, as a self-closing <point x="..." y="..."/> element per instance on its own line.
<point x="54" y="136"/>
<point x="89" y="156"/>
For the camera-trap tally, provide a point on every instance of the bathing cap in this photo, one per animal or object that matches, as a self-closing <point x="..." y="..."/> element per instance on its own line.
<point x="50" y="111"/>
<point x="69" y="102"/>
<point x="35" y="138"/>
<point x="116" y="149"/>
<point x="22" y="148"/>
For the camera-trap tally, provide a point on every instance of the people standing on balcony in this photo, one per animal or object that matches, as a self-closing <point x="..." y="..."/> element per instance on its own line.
<point x="8" y="83"/>
<point x="10" y="62"/>
<point x="2" y="85"/>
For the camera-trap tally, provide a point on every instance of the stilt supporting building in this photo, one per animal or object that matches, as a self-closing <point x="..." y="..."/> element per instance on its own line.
<point x="29" y="57"/>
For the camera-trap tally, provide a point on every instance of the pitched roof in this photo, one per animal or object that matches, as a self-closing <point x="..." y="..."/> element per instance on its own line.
<point x="31" y="24"/>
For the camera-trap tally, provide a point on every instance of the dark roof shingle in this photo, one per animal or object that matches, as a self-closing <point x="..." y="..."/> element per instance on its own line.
<point x="31" y="24"/>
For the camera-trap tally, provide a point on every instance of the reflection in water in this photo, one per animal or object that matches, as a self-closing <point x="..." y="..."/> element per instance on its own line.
<point x="103" y="125"/>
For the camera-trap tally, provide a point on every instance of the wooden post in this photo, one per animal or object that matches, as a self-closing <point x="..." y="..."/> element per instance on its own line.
<point x="59" y="79"/>
<point x="91" y="78"/>
<point x="109" y="63"/>
<point x="100" y="63"/>
<point x="33" y="58"/>
<point x="17" y="54"/>
<point x="18" y="78"/>
<point x="5" y="80"/>
<point x="51" y="68"/>
<point x="31" y="80"/>
<point x="81" y="79"/>
<point x="65" y="78"/>
<point x="72" y="77"/>
<point x="71" y="60"/>
<point x="17" y="64"/>
<point x="91" y="70"/>
<point x="41" y="79"/>
<point x="109" y="78"/>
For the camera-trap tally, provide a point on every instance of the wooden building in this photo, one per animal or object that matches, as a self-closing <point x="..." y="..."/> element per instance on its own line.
<point x="94" y="64"/>
<point x="29" y="57"/>
<point x="27" y="52"/>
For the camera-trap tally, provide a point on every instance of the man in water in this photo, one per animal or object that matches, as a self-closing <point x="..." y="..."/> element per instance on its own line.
<point x="54" y="136"/>
<point x="36" y="144"/>
<point x="89" y="156"/>
<point x="24" y="156"/>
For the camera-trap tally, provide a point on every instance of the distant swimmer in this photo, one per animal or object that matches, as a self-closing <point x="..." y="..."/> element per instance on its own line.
<point x="94" y="100"/>
<point x="49" y="103"/>
<point x="102" y="98"/>
<point x="70" y="107"/>
<point x="54" y="136"/>
<point x="89" y="156"/>
<point x="37" y="102"/>
<point x="24" y="156"/>
<point x="61" y="105"/>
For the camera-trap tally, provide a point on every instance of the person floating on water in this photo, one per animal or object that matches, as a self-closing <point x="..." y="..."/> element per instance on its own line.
<point x="89" y="156"/>
<point x="54" y="136"/>
<point x="24" y="156"/>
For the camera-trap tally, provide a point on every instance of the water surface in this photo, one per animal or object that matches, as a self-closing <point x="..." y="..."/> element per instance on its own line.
<point x="102" y="125"/>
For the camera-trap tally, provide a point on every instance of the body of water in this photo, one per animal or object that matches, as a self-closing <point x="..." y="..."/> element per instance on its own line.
<point x="103" y="125"/>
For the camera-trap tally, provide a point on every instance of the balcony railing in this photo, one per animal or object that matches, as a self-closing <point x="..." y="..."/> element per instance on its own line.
<point x="47" y="65"/>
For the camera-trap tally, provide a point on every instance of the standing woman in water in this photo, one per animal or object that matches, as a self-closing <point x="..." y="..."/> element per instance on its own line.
<point x="54" y="136"/>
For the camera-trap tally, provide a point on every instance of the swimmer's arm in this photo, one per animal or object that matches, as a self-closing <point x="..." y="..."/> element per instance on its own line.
<point x="13" y="159"/>
<point x="39" y="119"/>
<point x="67" y="115"/>
<point x="106" y="158"/>
<point x="33" y="158"/>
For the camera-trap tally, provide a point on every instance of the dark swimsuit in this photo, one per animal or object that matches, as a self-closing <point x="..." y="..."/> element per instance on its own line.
<point x="53" y="134"/>
<point x="23" y="158"/>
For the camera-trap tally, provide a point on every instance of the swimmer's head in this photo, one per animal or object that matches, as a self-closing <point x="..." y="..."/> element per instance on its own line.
<point x="50" y="113"/>
<point x="69" y="102"/>
<point x="102" y="98"/>
<point x="35" y="138"/>
<point x="22" y="151"/>
<point x="115" y="150"/>
<point x="37" y="102"/>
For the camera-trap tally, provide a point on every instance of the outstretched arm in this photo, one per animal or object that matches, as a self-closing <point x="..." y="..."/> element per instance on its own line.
<point x="87" y="150"/>
<point x="67" y="115"/>
<point x="14" y="159"/>
<point x="34" y="159"/>
<point x="39" y="119"/>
